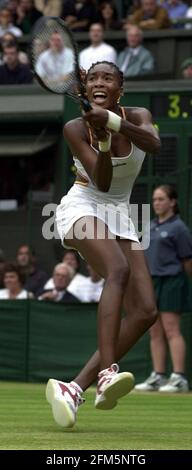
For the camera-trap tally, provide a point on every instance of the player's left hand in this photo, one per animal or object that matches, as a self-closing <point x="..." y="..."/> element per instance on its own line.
<point x="97" y="117"/>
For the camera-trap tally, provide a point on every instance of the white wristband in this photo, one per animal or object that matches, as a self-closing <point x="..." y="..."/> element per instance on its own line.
<point x="114" y="121"/>
<point x="105" y="145"/>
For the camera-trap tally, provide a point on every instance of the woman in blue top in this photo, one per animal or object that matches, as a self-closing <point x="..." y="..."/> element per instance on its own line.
<point x="170" y="258"/>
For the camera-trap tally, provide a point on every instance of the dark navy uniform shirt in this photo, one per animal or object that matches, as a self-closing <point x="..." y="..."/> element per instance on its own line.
<point x="170" y="243"/>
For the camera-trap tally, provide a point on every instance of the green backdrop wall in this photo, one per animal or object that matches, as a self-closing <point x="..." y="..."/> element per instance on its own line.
<point x="39" y="340"/>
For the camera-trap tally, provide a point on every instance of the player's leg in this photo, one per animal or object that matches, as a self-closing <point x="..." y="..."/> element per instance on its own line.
<point x="140" y="308"/>
<point x="177" y="382"/>
<point x="158" y="346"/>
<point x="106" y="257"/>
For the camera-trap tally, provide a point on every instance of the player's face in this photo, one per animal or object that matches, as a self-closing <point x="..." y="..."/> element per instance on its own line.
<point x="103" y="86"/>
<point x="161" y="203"/>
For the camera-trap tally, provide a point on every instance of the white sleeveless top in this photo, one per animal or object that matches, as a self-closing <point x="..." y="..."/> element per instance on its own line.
<point x="125" y="171"/>
<point x="112" y="207"/>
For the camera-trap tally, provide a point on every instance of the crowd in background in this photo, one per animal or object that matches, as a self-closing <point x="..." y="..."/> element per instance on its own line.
<point x="24" y="278"/>
<point x="18" y="17"/>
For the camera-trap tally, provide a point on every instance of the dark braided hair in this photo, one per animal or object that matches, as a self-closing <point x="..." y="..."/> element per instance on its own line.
<point x="120" y="74"/>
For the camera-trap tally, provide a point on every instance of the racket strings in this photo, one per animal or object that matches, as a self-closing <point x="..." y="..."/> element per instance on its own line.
<point x="58" y="72"/>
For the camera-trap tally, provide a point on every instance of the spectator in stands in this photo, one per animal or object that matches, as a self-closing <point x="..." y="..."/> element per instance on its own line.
<point x="150" y="16"/>
<point x="14" y="280"/>
<point x="92" y="287"/>
<point x="134" y="6"/>
<point x="35" y="277"/>
<point x="186" y="68"/>
<point x="56" y="61"/>
<point x="6" y="25"/>
<point x="12" y="72"/>
<point x="49" y="7"/>
<point x="2" y="267"/>
<point x="12" y="7"/>
<point x="189" y="15"/>
<point x="108" y="16"/>
<point x="98" y="50"/>
<point x="135" y="59"/>
<point x="71" y="257"/>
<point x="176" y="9"/>
<point x="62" y="276"/>
<point x="170" y="259"/>
<point x="78" y="15"/>
<point x="26" y="15"/>
<point x="9" y="40"/>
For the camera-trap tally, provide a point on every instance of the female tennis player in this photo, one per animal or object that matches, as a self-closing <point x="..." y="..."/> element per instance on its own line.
<point x="109" y="145"/>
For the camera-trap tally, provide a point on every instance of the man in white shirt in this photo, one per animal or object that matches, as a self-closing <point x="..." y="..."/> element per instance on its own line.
<point x="62" y="276"/>
<point x="5" y="24"/>
<point x="98" y="50"/>
<point x="135" y="59"/>
<point x="57" y="61"/>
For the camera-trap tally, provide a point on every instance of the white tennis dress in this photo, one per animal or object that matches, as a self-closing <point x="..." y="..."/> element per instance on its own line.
<point x="112" y="207"/>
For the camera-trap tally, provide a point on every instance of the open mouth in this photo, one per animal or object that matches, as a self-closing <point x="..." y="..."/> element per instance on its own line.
<point x="99" y="96"/>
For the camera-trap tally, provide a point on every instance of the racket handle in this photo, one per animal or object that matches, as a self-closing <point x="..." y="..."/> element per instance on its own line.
<point x="85" y="104"/>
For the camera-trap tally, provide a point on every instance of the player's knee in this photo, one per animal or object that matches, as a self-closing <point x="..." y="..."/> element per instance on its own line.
<point x="149" y="314"/>
<point x="119" y="274"/>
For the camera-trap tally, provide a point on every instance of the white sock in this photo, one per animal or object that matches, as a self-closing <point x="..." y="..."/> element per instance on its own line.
<point x="77" y="386"/>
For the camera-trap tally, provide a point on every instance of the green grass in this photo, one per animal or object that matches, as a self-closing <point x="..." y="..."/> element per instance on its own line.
<point x="140" y="421"/>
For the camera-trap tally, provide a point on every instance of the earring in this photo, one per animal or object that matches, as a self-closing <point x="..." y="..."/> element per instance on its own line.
<point x="118" y="100"/>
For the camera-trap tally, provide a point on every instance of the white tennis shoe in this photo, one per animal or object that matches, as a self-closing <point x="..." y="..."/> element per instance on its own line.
<point x="65" y="400"/>
<point x="112" y="386"/>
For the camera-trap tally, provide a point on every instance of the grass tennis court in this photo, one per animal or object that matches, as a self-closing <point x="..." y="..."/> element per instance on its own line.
<point x="141" y="421"/>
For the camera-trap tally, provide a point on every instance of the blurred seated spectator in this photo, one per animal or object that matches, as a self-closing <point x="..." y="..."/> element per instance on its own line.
<point x="10" y="40"/>
<point x="108" y="16"/>
<point x="176" y="9"/>
<point x="2" y="267"/>
<point x="133" y="6"/>
<point x="150" y="16"/>
<point x="6" y="25"/>
<point x="49" y="7"/>
<point x="56" y="61"/>
<point x="71" y="257"/>
<point x="135" y="59"/>
<point x="78" y="15"/>
<point x="12" y="72"/>
<point x="98" y="50"/>
<point x="12" y="7"/>
<point x="26" y="15"/>
<point x="186" y="68"/>
<point x="189" y="15"/>
<point x="14" y="280"/>
<point x="35" y="276"/>
<point x="92" y="287"/>
<point x="62" y="276"/>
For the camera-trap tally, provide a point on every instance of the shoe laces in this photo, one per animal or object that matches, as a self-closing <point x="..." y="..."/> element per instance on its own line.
<point x="112" y="370"/>
<point x="73" y="394"/>
<point x="105" y="376"/>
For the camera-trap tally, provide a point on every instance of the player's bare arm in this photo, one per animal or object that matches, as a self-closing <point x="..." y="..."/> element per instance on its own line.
<point x="98" y="166"/>
<point x="138" y="126"/>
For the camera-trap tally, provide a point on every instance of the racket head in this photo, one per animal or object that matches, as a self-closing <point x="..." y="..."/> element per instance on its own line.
<point x="50" y="36"/>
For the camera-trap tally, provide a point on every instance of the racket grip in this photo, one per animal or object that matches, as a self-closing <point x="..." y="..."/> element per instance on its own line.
<point x="85" y="104"/>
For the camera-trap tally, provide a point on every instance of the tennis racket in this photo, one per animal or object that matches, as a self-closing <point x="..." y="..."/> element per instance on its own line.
<point x="54" y="60"/>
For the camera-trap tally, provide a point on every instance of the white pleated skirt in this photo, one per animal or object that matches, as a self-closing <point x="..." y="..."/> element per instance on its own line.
<point x="84" y="201"/>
